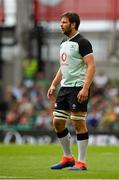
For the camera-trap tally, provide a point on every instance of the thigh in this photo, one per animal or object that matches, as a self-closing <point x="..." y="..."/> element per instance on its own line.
<point x="80" y="126"/>
<point x="79" y="121"/>
<point x="61" y="100"/>
<point x="74" y="105"/>
<point x="59" y="124"/>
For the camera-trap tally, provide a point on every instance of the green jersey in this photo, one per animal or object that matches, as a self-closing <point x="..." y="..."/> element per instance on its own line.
<point x="73" y="68"/>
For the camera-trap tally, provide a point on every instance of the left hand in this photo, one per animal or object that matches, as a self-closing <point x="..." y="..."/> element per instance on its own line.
<point x="82" y="95"/>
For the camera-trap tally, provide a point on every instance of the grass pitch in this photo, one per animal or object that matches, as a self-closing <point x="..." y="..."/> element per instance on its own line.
<point x="34" y="161"/>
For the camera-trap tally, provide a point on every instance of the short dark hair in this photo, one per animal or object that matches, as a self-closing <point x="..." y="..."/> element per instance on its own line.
<point x="73" y="18"/>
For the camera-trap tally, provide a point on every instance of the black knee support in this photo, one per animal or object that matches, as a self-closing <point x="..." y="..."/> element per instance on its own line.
<point x="62" y="133"/>
<point x="83" y="136"/>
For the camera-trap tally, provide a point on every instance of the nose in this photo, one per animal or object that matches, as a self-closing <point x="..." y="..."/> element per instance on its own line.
<point x="61" y="26"/>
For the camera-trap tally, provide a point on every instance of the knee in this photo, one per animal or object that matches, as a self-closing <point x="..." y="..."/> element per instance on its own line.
<point x="80" y="126"/>
<point x="60" y="118"/>
<point x="81" y="129"/>
<point x="58" y="125"/>
<point x="79" y="122"/>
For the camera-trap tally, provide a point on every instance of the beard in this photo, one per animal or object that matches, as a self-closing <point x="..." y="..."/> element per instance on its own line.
<point x="67" y="32"/>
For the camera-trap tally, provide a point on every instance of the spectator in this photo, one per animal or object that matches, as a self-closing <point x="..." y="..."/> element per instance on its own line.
<point x="29" y="71"/>
<point x="101" y="80"/>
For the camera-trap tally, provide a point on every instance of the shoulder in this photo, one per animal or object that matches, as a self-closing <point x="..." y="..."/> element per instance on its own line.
<point x="85" y="46"/>
<point x="82" y="41"/>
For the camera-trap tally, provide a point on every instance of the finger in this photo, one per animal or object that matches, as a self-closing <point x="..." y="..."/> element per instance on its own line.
<point x="48" y="94"/>
<point x="82" y="98"/>
<point x="51" y="91"/>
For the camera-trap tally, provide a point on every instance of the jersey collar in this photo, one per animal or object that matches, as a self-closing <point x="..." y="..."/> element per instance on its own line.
<point x="73" y="36"/>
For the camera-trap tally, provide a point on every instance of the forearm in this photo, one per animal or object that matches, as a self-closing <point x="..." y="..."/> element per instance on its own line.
<point x="89" y="76"/>
<point x="57" y="78"/>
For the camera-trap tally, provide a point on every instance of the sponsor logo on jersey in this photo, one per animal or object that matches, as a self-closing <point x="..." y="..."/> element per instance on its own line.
<point x="64" y="56"/>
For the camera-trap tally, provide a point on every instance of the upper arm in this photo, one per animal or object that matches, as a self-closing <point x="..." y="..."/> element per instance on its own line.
<point x="90" y="62"/>
<point x="59" y="73"/>
<point x="85" y="47"/>
<point x="89" y="59"/>
<point x="86" y="51"/>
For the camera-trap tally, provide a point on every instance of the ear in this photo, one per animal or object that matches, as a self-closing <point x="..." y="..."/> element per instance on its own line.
<point x="73" y="25"/>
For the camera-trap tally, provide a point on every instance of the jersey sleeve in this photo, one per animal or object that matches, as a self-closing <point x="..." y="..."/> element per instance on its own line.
<point x="85" y="47"/>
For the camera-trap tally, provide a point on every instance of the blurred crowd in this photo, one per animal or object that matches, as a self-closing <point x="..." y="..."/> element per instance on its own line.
<point x="25" y="106"/>
<point x="104" y="105"/>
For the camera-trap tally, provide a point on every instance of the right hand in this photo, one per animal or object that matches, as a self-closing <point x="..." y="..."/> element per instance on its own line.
<point x="50" y="92"/>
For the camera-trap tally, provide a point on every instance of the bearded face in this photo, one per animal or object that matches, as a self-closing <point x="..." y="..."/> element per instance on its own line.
<point x="66" y="26"/>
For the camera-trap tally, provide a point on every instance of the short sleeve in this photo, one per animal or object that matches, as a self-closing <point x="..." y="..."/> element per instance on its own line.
<point x="85" y="47"/>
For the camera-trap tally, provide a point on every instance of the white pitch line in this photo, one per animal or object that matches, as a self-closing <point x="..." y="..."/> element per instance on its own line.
<point x="26" y="178"/>
<point x="14" y="177"/>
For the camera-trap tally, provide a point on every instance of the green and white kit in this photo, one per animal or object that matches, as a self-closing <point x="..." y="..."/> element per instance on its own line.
<point x="72" y="64"/>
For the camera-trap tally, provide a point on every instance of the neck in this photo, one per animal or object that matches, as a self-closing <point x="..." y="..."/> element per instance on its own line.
<point x="72" y="34"/>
